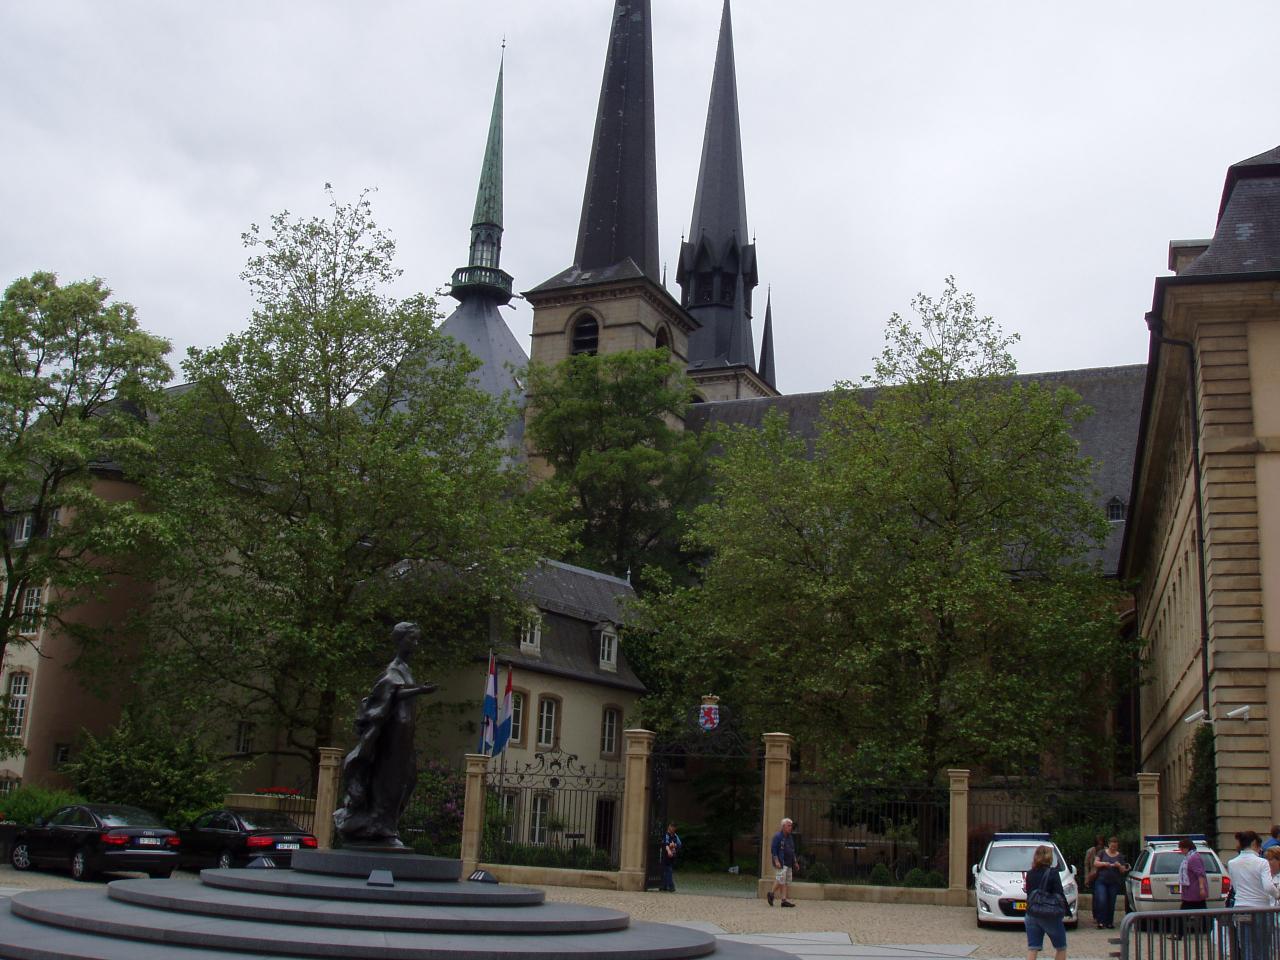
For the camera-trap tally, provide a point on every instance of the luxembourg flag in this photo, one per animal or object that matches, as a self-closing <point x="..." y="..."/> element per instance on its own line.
<point x="489" y="712"/>
<point x="504" y="719"/>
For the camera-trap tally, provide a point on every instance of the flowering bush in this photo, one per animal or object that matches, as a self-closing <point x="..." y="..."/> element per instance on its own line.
<point x="278" y="792"/>
<point x="433" y="822"/>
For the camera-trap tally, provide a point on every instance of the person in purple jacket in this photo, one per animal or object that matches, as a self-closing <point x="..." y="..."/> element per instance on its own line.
<point x="1193" y="882"/>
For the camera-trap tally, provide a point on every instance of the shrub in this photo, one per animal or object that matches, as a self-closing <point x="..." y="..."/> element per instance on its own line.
<point x="138" y="764"/>
<point x="818" y="873"/>
<point x="915" y="878"/>
<point x="26" y="803"/>
<point x="433" y="822"/>
<point x="935" y="879"/>
<point x="880" y="875"/>
<point x="581" y="857"/>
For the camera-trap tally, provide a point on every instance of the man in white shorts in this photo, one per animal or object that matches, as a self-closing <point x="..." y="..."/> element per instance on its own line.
<point x="783" y="850"/>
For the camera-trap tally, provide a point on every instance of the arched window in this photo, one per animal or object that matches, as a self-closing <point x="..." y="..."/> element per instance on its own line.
<point x="663" y="340"/>
<point x="586" y="336"/>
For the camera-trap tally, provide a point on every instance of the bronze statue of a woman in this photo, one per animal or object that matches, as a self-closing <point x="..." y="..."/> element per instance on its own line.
<point x="380" y="772"/>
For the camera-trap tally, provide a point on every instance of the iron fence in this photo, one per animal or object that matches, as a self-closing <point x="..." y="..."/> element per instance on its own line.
<point x="885" y="835"/>
<point x="301" y="810"/>
<point x="554" y="811"/>
<point x="1239" y="934"/>
<point x="1072" y="816"/>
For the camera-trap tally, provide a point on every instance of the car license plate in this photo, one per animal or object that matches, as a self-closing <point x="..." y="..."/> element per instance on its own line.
<point x="1020" y="905"/>
<point x="287" y="846"/>
<point x="1175" y="888"/>
<point x="149" y="841"/>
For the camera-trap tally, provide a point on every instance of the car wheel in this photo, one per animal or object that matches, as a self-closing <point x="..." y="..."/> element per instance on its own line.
<point x="80" y="865"/>
<point x="225" y="860"/>
<point x="159" y="874"/>
<point x="20" y="856"/>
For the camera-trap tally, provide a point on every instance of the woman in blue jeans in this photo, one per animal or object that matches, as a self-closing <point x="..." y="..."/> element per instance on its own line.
<point x="1111" y="867"/>
<point x="1043" y="874"/>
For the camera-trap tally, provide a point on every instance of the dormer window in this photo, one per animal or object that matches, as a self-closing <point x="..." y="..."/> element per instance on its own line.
<point x="531" y="633"/>
<point x="1115" y="510"/>
<point x="608" y="649"/>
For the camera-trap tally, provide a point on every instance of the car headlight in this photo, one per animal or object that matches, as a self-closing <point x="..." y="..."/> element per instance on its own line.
<point x="989" y="890"/>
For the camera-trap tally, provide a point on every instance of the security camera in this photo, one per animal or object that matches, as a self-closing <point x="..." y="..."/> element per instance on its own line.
<point x="1195" y="717"/>
<point x="1239" y="713"/>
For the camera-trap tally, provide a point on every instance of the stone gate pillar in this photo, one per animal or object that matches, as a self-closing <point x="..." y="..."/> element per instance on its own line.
<point x="328" y="785"/>
<point x="777" y="782"/>
<point x="473" y="811"/>
<point x="958" y="839"/>
<point x="1149" y="804"/>
<point x="635" y="808"/>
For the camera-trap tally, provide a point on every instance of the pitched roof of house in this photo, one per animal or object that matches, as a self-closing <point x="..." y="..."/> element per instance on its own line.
<point x="1247" y="237"/>
<point x="586" y="595"/>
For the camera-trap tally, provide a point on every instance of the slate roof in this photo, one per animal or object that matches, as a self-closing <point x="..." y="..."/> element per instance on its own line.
<point x="585" y="595"/>
<point x="620" y="203"/>
<point x="1108" y="435"/>
<point x="1247" y="238"/>
<point x="478" y="325"/>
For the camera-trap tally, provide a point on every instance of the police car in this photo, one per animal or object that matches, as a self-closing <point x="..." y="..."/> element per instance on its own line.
<point x="1153" y="882"/>
<point x="999" y="878"/>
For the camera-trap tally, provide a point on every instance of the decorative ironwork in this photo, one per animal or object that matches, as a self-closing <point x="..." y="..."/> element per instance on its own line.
<point x="555" y="769"/>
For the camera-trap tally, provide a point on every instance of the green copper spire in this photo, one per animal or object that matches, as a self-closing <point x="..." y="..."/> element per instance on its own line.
<point x="482" y="275"/>
<point x="489" y="196"/>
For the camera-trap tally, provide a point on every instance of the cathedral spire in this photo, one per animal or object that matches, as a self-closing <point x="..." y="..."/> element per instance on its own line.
<point x="767" y="372"/>
<point x="717" y="266"/>
<point x="620" y="204"/>
<point x="482" y="273"/>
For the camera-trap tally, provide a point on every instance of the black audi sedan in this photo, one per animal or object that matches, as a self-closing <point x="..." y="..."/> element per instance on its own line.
<point x="89" y="838"/>
<point x="233" y="836"/>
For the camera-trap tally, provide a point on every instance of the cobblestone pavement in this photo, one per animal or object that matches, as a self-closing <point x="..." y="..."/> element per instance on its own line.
<point x="814" y="930"/>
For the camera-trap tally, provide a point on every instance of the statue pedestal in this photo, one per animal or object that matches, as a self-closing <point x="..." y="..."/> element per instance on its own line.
<point x="362" y="861"/>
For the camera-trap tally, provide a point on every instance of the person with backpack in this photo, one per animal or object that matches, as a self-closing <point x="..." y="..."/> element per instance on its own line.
<point x="668" y="849"/>
<point x="1046" y="906"/>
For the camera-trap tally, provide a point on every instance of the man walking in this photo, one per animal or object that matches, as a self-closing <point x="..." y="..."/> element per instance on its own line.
<point x="783" y="849"/>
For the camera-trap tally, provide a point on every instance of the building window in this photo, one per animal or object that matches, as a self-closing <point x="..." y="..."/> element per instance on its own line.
<point x="29" y="615"/>
<point x="586" y="336"/>
<point x="1115" y="510"/>
<point x="610" y="721"/>
<point x="8" y="784"/>
<point x="539" y="819"/>
<point x="61" y="754"/>
<point x="531" y="633"/>
<point x="17" y="693"/>
<point x="21" y="528"/>
<point x="55" y="519"/>
<point x="508" y="807"/>
<point x="608" y="650"/>
<point x="548" y="721"/>
<point x="517" y="716"/>
<point x="663" y="340"/>
<point x="244" y="736"/>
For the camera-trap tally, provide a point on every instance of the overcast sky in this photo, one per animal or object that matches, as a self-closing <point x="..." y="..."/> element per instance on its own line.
<point x="1042" y="153"/>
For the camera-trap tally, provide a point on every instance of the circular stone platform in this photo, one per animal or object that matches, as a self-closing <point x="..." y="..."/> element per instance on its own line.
<point x="355" y="862"/>
<point x="291" y="883"/>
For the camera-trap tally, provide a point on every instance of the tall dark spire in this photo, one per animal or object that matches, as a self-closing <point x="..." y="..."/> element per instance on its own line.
<point x="766" y="369"/>
<point x="717" y="266"/>
<point x="481" y="275"/>
<point x="620" y="205"/>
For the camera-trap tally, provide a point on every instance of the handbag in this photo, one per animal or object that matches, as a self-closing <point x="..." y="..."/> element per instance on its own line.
<point x="1045" y="905"/>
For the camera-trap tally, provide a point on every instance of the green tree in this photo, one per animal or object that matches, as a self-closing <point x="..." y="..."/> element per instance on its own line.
<point x="610" y="427"/>
<point x="331" y="469"/>
<point x="912" y="592"/>
<point x="76" y="370"/>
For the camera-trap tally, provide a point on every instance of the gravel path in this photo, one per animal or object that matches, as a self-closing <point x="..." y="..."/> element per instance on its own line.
<point x="865" y="923"/>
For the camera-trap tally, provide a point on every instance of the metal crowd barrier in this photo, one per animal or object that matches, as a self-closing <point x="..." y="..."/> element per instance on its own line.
<point x="1241" y="934"/>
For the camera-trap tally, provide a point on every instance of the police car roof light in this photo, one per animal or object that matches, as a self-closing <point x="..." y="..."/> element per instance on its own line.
<point x="1020" y="836"/>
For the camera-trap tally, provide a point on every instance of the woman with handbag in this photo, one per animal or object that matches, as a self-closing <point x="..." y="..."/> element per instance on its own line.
<point x="1046" y="906"/>
<point x="1111" y="867"/>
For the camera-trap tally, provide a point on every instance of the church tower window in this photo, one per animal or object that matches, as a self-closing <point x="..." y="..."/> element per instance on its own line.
<point x="586" y="336"/>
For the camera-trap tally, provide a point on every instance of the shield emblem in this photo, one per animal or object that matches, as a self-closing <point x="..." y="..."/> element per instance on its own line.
<point x="709" y="716"/>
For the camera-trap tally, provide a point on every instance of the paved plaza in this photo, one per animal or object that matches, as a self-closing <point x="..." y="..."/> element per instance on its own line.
<point x="814" y="930"/>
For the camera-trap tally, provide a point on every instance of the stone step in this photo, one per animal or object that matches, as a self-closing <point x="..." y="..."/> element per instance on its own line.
<point x="359" y="863"/>
<point x="91" y="911"/>
<point x="291" y="883"/>
<point x="190" y="896"/>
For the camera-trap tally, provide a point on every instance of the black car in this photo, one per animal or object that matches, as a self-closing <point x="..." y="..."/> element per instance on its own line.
<point x="87" y="838"/>
<point x="231" y="836"/>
